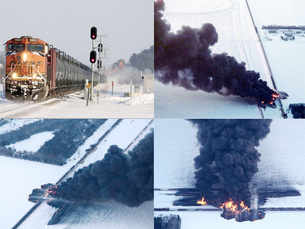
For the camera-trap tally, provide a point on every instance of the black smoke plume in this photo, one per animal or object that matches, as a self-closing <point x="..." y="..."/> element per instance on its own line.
<point x="185" y="59"/>
<point x="228" y="158"/>
<point x="126" y="178"/>
<point x="143" y="60"/>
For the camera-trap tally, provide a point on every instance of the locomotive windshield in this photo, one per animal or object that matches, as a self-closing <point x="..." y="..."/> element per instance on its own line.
<point x="36" y="48"/>
<point x="15" y="47"/>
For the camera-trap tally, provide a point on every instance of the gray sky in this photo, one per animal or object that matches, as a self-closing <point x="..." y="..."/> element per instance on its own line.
<point x="128" y="25"/>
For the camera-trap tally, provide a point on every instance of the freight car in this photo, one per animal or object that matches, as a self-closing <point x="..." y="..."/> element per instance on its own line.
<point x="35" y="69"/>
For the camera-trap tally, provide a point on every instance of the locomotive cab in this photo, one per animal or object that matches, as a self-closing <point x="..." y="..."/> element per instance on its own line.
<point x="26" y="66"/>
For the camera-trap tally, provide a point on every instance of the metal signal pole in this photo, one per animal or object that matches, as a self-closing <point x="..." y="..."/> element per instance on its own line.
<point x="92" y="77"/>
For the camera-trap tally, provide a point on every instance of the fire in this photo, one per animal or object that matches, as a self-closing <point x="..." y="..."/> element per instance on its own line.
<point x="243" y="206"/>
<point x="275" y="95"/>
<point x="234" y="207"/>
<point x="202" y="201"/>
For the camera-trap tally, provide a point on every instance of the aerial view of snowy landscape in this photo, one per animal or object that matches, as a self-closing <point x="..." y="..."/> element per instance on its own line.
<point x="79" y="173"/>
<point x="229" y="174"/>
<point x="229" y="59"/>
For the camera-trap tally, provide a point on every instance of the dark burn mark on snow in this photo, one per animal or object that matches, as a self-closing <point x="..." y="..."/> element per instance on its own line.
<point x="185" y="59"/>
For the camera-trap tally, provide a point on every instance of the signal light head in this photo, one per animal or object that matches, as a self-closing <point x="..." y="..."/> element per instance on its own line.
<point x="92" y="57"/>
<point x="99" y="64"/>
<point x="100" y="47"/>
<point x="93" y="33"/>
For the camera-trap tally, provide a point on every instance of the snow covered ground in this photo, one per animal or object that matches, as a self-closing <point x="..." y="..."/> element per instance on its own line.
<point x="18" y="179"/>
<point x="15" y="124"/>
<point x="74" y="106"/>
<point x="122" y="135"/>
<point x="279" y="220"/>
<point x="33" y="143"/>
<point x="237" y="37"/>
<point x="110" y="215"/>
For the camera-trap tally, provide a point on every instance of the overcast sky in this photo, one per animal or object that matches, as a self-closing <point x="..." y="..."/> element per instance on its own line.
<point x="127" y="25"/>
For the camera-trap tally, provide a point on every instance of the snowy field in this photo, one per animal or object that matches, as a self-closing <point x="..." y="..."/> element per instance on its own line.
<point x="33" y="143"/>
<point x="127" y="131"/>
<point x="237" y="37"/>
<point x="110" y="215"/>
<point x="18" y="179"/>
<point x="15" y="124"/>
<point x="282" y="163"/>
<point x="279" y="220"/>
<point x="74" y="106"/>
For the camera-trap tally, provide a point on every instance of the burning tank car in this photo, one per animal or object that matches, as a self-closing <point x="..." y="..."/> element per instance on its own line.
<point x="34" y="69"/>
<point x="240" y="211"/>
<point x="40" y="193"/>
<point x="243" y="215"/>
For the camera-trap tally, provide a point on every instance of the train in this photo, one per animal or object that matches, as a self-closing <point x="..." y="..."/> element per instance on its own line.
<point x="35" y="69"/>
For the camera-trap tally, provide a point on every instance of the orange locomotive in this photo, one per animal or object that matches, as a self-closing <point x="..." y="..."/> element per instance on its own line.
<point x="34" y="69"/>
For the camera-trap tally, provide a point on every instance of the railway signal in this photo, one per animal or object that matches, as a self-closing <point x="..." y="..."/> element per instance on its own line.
<point x="95" y="56"/>
<point x="100" y="47"/>
<point x="99" y="64"/>
<point x="93" y="33"/>
<point x="92" y="57"/>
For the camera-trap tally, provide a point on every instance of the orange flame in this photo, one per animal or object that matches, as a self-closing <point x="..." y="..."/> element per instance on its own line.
<point x="234" y="207"/>
<point x="202" y="201"/>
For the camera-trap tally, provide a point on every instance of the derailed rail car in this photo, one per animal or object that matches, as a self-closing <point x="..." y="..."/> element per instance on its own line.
<point x="35" y="70"/>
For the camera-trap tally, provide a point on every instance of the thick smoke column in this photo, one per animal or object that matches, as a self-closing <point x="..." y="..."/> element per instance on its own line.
<point x="143" y="60"/>
<point x="185" y="59"/>
<point x="126" y="178"/>
<point x="228" y="158"/>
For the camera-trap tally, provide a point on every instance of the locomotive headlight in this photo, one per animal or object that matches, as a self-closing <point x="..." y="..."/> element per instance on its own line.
<point x="24" y="57"/>
<point x="46" y="49"/>
<point x="14" y="75"/>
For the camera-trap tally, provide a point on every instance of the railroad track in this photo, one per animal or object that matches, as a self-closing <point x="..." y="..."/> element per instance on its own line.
<point x="80" y="161"/>
<point x="266" y="60"/>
